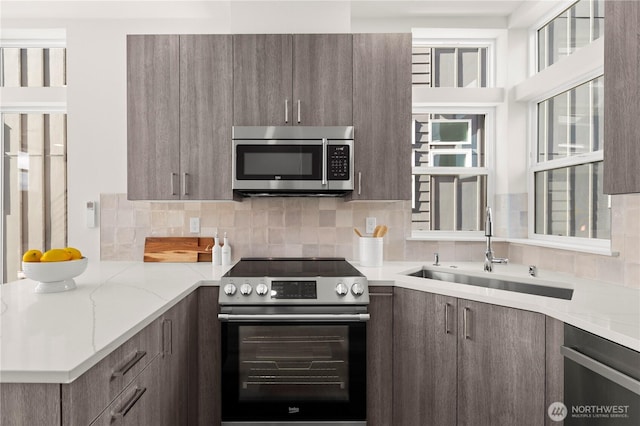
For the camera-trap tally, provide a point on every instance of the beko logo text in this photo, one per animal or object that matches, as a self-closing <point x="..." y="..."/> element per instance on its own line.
<point x="293" y="410"/>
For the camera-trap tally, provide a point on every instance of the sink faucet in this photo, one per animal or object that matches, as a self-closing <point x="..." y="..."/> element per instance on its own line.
<point x="489" y="260"/>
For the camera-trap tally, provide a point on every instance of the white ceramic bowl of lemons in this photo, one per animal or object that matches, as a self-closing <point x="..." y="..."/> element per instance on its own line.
<point x="54" y="275"/>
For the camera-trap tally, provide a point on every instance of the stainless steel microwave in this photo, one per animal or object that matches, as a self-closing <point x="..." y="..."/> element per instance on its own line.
<point x="292" y="160"/>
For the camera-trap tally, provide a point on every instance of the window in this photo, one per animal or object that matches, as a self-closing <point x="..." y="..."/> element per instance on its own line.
<point x="449" y="171"/>
<point x="449" y="66"/>
<point x="574" y="28"/>
<point x="34" y="146"/>
<point x="567" y="176"/>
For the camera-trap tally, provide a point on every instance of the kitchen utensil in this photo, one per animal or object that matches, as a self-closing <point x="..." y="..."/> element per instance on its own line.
<point x="376" y="230"/>
<point x="383" y="231"/>
<point x="358" y="233"/>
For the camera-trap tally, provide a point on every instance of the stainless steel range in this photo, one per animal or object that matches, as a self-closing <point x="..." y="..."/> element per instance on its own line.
<point x="293" y="342"/>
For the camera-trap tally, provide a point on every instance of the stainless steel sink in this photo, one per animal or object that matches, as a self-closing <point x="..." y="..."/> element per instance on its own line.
<point x="517" y="286"/>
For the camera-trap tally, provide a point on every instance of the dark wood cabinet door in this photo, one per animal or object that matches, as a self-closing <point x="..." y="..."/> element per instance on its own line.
<point x="209" y="355"/>
<point x="554" y="366"/>
<point x="380" y="357"/>
<point x="262" y="67"/>
<point x="621" y="97"/>
<point x="501" y="365"/>
<point x="176" y="345"/>
<point x="323" y="79"/>
<point x="206" y="86"/>
<point x="424" y="359"/>
<point x="382" y="116"/>
<point x="30" y="404"/>
<point x="153" y="128"/>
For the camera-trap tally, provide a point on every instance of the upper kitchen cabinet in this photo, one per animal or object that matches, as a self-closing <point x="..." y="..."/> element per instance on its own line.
<point x="153" y="117"/>
<point x="301" y="79"/>
<point x="323" y="79"/>
<point x="621" y="97"/>
<point x="206" y="90"/>
<point x="262" y="80"/>
<point x="179" y="105"/>
<point x="382" y="116"/>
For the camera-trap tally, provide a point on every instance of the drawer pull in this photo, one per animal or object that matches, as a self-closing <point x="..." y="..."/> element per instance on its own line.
<point x="129" y="405"/>
<point x="446" y="318"/>
<point x="129" y="365"/>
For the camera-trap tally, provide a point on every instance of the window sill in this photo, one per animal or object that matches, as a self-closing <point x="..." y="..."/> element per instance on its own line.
<point x="591" y="249"/>
<point x="479" y="237"/>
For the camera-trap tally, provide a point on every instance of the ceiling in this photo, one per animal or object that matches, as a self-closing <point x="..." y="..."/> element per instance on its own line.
<point x="426" y="8"/>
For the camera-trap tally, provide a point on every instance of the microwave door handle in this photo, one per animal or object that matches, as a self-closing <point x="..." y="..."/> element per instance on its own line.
<point x="324" y="161"/>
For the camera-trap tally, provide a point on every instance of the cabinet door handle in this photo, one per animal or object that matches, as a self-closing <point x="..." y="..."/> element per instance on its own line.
<point x="465" y="323"/>
<point x="324" y="161"/>
<point x="446" y="318"/>
<point x="137" y="394"/>
<point x="137" y="356"/>
<point x="185" y="186"/>
<point x="298" y="110"/>
<point x="286" y="110"/>
<point x="167" y="337"/>
<point x="359" y="183"/>
<point x="173" y="183"/>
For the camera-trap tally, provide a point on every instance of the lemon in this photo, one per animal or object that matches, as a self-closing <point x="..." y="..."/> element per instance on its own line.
<point x="55" y="255"/>
<point x="74" y="252"/>
<point x="32" y="256"/>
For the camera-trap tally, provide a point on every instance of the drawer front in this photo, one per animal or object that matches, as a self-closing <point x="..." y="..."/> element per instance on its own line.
<point x="87" y="396"/>
<point x="138" y="404"/>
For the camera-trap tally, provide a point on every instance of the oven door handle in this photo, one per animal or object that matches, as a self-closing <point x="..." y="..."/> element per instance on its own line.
<point x="294" y="317"/>
<point x="602" y="369"/>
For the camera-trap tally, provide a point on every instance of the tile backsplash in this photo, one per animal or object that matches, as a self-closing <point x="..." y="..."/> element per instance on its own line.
<point x="324" y="227"/>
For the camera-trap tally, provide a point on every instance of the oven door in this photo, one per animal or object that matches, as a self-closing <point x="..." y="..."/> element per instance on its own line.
<point x="293" y="371"/>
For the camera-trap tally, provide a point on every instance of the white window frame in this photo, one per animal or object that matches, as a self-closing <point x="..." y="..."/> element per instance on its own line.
<point x="28" y="100"/>
<point x="577" y="76"/>
<point x="487" y="170"/>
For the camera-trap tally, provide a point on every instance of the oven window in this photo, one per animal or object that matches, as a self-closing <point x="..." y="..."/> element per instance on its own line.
<point x="296" y="362"/>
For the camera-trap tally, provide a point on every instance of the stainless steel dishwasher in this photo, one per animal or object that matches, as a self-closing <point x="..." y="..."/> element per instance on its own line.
<point x="601" y="381"/>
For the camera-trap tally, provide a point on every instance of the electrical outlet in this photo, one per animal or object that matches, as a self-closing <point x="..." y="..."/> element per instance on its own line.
<point x="370" y="225"/>
<point x="194" y="225"/>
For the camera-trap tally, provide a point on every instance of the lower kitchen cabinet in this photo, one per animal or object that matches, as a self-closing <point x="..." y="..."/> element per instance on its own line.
<point x="18" y="404"/>
<point x="424" y="359"/>
<point x="140" y="403"/>
<point x="86" y="397"/>
<point x="380" y="357"/>
<point x="501" y="365"/>
<point x="208" y="357"/>
<point x="178" y="340"/>
<point x="554" y="381"/>
<point x="466" y="363"/>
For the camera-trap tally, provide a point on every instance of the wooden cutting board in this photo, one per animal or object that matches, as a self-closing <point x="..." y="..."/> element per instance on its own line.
<point x="177" y="249"/>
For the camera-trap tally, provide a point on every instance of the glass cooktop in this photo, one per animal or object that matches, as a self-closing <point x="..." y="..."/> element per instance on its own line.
<point x="292" y="267"/>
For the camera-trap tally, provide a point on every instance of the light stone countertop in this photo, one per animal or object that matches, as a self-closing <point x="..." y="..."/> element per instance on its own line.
<point x="56" y="337"/>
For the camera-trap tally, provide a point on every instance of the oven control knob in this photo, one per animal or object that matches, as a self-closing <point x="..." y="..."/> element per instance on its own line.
<point x="357" y="289"/>
<point x="246" y="289"/>
<point x="262" y="289"/>
<point x="342" y="289"/>
<point x="229" y="289"/>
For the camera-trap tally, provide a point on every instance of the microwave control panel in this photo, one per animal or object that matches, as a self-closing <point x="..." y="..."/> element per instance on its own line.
<point x="338" y="161"/>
